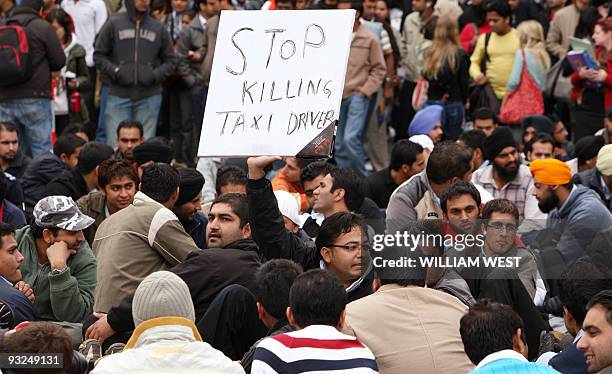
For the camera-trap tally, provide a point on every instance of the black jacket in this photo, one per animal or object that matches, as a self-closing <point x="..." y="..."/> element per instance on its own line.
<point x="275" y="241"/>
<point x="451" y="85"/>
<point x="197" y="230"/>
<point x="379" y="186"/>
<point x="569" y="361"/>
<point x="12" y="215"/>
<point x="46" y="54"/>
<point x="592" y="179"/>
<point x="281" y="326"/>
<point x="18" y="165"/>
<point x="42" y="170"/>
<point x="206" y="273"/>
<point x="134" y="56"/>
<point x="20" y="305"/>
<point x="70" y="183"/>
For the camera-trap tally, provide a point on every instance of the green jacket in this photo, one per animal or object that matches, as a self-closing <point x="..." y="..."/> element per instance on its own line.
<point x="68" y="296"/>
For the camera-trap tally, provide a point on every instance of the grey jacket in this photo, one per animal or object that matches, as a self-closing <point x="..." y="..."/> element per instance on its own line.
<point x="192" y="39"/>
<point x="136" y="56"/>
<point x="581" y="217"/>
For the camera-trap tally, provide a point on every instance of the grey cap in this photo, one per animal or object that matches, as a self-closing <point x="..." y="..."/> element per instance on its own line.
<point x="60" y="212"/>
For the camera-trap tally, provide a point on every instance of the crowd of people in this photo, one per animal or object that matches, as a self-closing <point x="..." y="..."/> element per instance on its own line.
<point x="122" y="251"/>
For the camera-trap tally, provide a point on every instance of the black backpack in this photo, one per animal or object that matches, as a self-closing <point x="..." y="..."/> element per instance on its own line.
<point x="15" y="52"/>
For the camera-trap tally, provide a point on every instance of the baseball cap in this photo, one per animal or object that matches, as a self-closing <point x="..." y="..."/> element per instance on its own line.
<point x="60" y="212"/>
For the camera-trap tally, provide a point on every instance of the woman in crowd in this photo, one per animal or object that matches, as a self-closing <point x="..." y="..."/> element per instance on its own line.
<point x="446" y="69"/>
<point x="592" y="91"/>
<point x="472" y="24"/>
<point x="68" y="105"/>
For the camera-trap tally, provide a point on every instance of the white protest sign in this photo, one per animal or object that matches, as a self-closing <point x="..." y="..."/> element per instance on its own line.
<point x="276" y="83"/>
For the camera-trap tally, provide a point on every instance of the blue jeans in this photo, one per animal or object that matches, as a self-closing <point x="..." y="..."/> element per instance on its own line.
<point x="34" y="119"/>
<point x="101" y="130"/>
<point x="453" y="117"/>
<point x="145" y="111"/>
<point x="349" y="144"/>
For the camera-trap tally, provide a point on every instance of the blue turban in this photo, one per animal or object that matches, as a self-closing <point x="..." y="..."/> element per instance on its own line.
<point x="425" y="120"/>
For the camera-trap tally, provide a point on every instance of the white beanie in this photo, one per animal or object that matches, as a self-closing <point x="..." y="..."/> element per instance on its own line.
<point x="424" y="141"/>
<point x="288" y="206"/>
<point x="604" y="160"/>
<point x="162" y="294"/>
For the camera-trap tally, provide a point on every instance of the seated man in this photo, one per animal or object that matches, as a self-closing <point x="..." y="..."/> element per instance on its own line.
<point x="188" y="208"/>
<point x="165" y="338"/>
<point x="273" y="282"/>
<point x="599" y="178"/>
<point x="316" y="310"/>
<point x="129" y="136"/>
<point x="11" y="214"/>
<point x="153" y="150"/>
<point x="140" y="239"/>
<point x="428" y="121"/>
<point x="13" y="291"/>
<point x="288" y="179"/>
<point x="118" y="182"/>
<point x="500" y="224"/>
<point x="58" y="261"/>
<point x="432" y="345"/>
<point x="493" y="338"/>
<point x="407" y="159"/>
<point x="12" y="159"/>
<point x="230" y="179"/>
<point x="474" y="140"/>
<point x="597" y="339"/>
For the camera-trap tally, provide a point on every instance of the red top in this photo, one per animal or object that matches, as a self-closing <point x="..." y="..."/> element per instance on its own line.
<point x="468" y="34"/>
<point x="578" y="82"/>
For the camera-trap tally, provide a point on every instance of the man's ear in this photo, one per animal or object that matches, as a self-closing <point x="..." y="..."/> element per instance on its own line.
<point x="261" y="311"/>
<point x="290" y="318"/>
<point x="518" y="342"/>
<point x="339" y="194"/>
<point x="64" y="157"/>
<point x="341" y="320"/>
<point x="478" y="154"/>
<point x="405" y="169"/>
<point x="48" y="236"/>
<point x="326" y="254"/>
<point x="246" y="231"/>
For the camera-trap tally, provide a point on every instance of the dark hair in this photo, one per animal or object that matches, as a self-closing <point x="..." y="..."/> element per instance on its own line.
<point x="5" y="229"/>
<point x="352" y="184"/>
<point x="474" y="139"/>
<point x="488" y="327"/>
<point x="9" y="127"/>
<point x="230" y="175"/>
<point x="459" y="189"/>
<point x="447" y="161"/>
<point x="317" y="298"/>
<point x="113" y="168"/>
<point x="67" y="144"/>
<point x="273" y="281"/>
<point x="75" y="128"/>
<point x="159" y="181"/>
<point x="500" y="206"/>
<point x="578" y="284"/>
<point x="239" y="204"/>
<point x="40" y="337"/>
<point x="130" y="125"/>
<point x="92" y="155"/>
<point x="336" y="225"/>
<point x="190" y="13"/>
<point x="63" y="19"/>
<point x="37" y="231"/>
<point x="539" y="138"/>
<point x="485" y="113"/>
<point x="500" y="7"/>
<point x="314" y="170"/>
<point x="404" y="152"/>
<point x="604" y="298"/>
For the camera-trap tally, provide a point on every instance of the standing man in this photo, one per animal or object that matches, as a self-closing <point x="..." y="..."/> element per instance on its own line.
<point x="12" y="160"/>
<point x="88" y="17"/>
<point x="28" y="104"/>
<point x="364" y="76"/>
<point x="135" y="52"/>
<point x="498" y="54"/>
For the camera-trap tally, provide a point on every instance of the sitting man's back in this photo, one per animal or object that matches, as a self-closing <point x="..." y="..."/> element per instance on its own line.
<point x="140" y="239"/>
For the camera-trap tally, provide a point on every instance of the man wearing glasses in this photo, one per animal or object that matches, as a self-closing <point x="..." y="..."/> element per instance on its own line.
<point x="500" y="224"/>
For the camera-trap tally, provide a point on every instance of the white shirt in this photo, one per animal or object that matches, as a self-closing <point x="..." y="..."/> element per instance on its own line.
<point x="88" y="17"/>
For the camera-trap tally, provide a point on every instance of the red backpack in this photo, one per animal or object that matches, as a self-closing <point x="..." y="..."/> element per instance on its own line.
<point x="15" y="52"/>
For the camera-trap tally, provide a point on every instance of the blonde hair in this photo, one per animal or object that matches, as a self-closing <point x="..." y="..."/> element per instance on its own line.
<point x="443" y="48"/>
<point x="531" y="36"/>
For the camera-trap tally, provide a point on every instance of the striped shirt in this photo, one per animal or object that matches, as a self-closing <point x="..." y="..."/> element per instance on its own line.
<point x="316" y="348"/>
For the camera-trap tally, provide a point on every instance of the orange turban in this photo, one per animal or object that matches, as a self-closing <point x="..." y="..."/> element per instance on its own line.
<point x="551" y="171"/>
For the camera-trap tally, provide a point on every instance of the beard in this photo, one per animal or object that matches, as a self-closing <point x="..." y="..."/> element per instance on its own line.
<point x="505" y="173"/>
<point x="548" y="204"/>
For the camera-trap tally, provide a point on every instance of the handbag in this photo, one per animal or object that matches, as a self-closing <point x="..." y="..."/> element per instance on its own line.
<point x="557" y="86"/>
<point x="419" y="95"/>
<point x="526" y="100"/>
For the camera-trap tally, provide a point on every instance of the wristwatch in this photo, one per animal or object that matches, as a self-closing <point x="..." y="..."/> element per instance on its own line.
<point x="58" y="271"/>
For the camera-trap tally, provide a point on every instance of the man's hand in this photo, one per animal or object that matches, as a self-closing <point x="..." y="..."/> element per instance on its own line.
<point x="100" y="330"/>
<point x="481" y="80"/>
<point x="58" y="254"/>
<point x="257" y="165"/>
<point x="194" y="56"/>
<point x="26" y="290"/>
